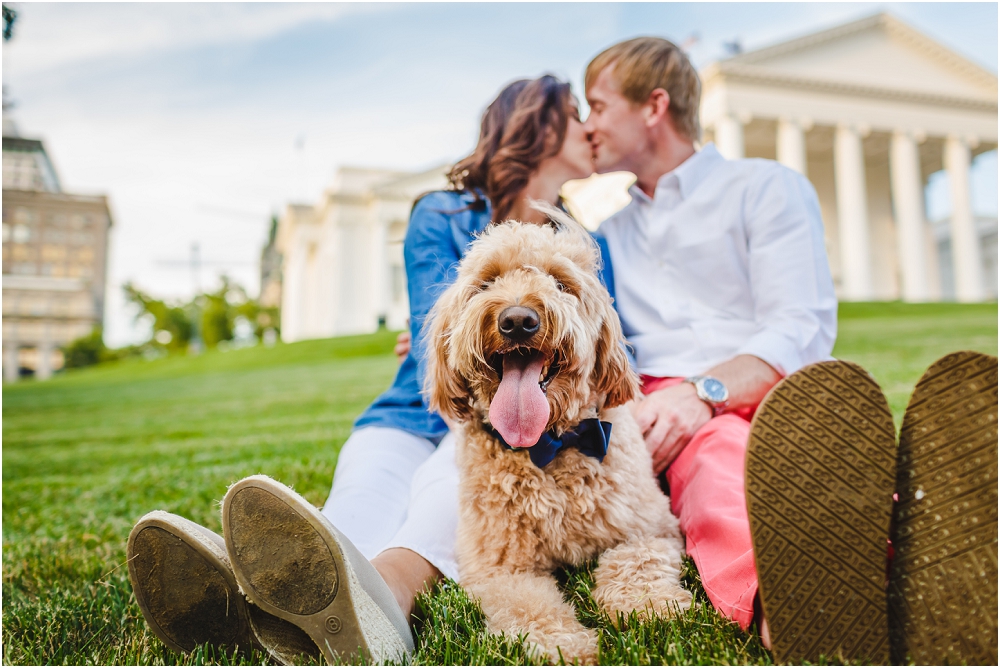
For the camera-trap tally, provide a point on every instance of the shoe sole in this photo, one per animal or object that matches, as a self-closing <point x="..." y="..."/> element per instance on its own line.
<point x="184" y="586"/>
<point x="306" y="581"/>
<point x="943" y="584"/>
<point x="820" y="470"/>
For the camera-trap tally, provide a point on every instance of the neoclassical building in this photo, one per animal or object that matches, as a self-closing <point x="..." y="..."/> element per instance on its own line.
<point x="342" y="259"/>
<point x="867" y="111"/>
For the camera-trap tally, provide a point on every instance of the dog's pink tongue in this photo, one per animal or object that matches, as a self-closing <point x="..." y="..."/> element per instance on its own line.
<point x="519" y="410"/>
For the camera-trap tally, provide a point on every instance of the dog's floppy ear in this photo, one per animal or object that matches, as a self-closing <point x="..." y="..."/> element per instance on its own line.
<point x="444" y="390"/>
<point x="613" y="376"/>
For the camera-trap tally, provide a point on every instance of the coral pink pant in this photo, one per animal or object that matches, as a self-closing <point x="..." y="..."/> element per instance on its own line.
<point x="707" y="496"/>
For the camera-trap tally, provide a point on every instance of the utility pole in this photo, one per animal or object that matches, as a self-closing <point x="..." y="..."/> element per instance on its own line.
<point x="196" y="345"/>
<point x="194" y="264"/>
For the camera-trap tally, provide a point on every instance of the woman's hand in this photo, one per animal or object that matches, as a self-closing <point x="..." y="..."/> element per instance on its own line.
<point x="402" y="348"/>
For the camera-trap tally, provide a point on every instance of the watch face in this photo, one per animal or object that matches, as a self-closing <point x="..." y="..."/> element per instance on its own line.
<point x="715" y="390"/>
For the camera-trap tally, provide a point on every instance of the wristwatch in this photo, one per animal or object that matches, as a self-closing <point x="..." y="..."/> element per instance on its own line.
<point x="711" y="391"/>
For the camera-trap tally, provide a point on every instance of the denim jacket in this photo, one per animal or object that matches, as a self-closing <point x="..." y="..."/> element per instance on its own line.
<point x="442" y="225"/>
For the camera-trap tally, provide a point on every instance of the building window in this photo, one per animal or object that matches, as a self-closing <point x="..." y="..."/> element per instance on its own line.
<point x="38" y="306"/>
<point x="55" y="236"/>
<point x="53" y="253"/>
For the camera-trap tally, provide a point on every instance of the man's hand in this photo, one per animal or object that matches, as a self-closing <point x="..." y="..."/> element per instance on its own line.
<point x="671" y="416"/>
<point x="668" y="419"/>
<point x="402" y="348"/>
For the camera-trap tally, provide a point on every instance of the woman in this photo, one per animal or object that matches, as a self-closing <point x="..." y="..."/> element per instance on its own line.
<point x="531" y="142"/>
<point x="395" y="481"/>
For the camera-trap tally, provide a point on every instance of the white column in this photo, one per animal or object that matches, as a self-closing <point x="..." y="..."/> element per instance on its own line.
<point x="11" y="363"/>
<point x="44" y="369"/>
<point x="907" y="200"/>
<point x="852" y="214"/>
<point x="965" y="254"/>
<point x="382" y="273"/>
<point x="791" y="145"/>
<point x="729" y="136"/>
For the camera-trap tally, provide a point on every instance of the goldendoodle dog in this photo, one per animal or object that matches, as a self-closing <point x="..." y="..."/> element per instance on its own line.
<point x="528" y="363"/>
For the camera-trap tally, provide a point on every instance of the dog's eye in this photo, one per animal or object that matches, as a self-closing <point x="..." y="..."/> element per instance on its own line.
<point x="562" y="288"/>
<point x="485" y="285"/>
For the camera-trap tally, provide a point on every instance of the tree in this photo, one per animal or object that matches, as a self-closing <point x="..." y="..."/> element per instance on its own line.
<point x="85" y="351"/>
<point x="90" y="349"/>
<point x="9" y="17"/>
<point x="172" y="324"/>
<point x="217" y="314"/>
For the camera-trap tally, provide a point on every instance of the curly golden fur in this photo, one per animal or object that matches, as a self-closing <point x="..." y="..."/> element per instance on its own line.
<point x="518" y="522"/>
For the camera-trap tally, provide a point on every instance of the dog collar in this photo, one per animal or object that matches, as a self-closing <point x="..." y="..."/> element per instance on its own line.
<point x="591" y="437"/>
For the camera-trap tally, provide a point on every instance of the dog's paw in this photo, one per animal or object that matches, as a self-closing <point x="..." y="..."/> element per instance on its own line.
<point x="664" y="598"/>
<point x="641" y="577"/>
<point x="578" y="647"/>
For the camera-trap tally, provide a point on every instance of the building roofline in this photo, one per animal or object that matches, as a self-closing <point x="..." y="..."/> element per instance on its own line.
<point x="68" y="197"/>
<point x="389" y="187"/>
<point x="371" y="170"/>
<point x="890" y="24"/>
<point x="737" y="71"/>
<point x="24" y="145"/>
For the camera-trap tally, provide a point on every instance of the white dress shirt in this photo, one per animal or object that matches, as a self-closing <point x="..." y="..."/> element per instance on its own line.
<point x="726" y="259"/>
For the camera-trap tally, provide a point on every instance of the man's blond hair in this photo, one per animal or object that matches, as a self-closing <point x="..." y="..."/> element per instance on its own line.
<point x="642" y="65"/>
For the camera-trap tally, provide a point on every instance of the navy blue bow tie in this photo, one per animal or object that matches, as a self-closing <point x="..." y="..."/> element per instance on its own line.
<point x="591" y="437"/>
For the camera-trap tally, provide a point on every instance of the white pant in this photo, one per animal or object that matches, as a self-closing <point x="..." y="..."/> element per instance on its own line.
<point x="394" y="489"/>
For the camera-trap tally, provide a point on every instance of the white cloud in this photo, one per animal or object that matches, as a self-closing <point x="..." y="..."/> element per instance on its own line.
<point x="50" y="35"/>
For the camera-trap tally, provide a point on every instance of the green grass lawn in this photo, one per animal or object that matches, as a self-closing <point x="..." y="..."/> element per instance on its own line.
<point x="89" y="452"/>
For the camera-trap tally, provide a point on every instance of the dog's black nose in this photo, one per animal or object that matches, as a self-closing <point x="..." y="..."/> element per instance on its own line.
<point x="518" y="323"/>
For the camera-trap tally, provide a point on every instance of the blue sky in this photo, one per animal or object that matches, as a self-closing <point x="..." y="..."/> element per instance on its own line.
<point x="189" y="115"/>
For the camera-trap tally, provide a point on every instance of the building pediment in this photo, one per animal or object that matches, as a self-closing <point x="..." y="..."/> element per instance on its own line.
<point x="877" y="56"/>
<point x="414" y="184"/>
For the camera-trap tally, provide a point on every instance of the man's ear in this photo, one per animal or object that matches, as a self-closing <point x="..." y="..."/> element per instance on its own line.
<point x="444" y="390"/>
<point x="657" y="106"/>
<point x="613" y="376"/>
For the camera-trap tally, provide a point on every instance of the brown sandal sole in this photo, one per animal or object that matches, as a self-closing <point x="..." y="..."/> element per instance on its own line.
<point x="291" y="564"/>
<point x="184" y="586"/>
<point x="820" y="470"/>
<point x="943" y="581"/>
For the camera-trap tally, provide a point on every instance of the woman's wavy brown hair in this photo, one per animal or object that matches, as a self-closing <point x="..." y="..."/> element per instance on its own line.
<point x="523" y="126"/>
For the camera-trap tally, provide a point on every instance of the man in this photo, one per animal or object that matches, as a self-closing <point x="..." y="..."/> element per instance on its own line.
<point x="723" y="289"/>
